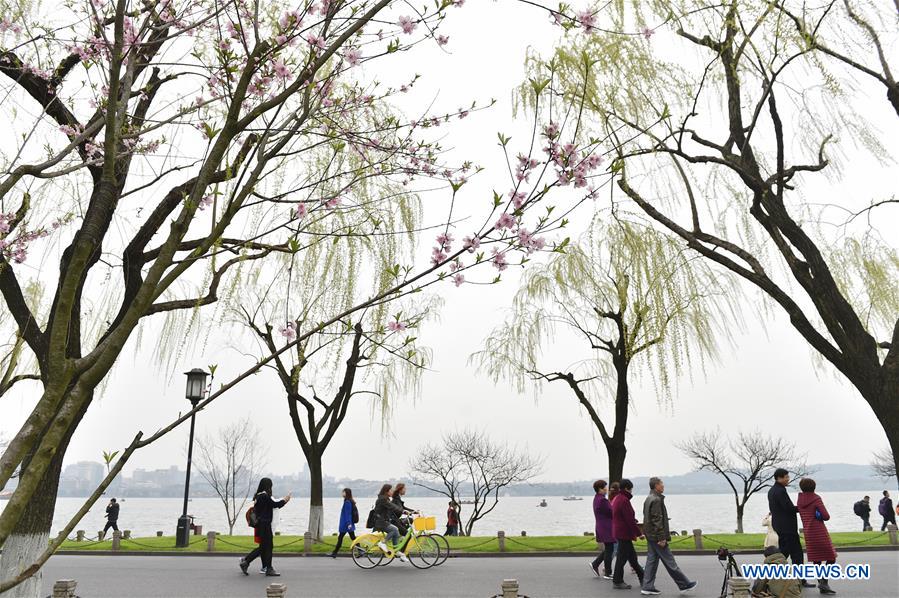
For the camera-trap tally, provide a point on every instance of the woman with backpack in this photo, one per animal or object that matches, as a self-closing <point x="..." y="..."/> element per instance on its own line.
<point x="260" y="517"/>
<point x="349" y="517"/>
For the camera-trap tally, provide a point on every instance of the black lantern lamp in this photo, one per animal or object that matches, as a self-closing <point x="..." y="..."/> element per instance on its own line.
<point x="195" y="391"/>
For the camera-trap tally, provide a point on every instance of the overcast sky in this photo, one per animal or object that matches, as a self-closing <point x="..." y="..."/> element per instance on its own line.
<point x="767" y="382"/>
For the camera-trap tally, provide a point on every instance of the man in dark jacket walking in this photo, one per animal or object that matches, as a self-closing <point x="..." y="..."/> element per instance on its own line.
<point x="886" y="510"/>
<point x="863" y="509"/>
<point x="783" y="519"/>
<point x="112" y="516"/>
<point x="655" y="528"/>
<point x="625" y="530"/>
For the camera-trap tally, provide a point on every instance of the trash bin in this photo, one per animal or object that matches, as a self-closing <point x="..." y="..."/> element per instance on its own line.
<point x="198" y="530"/>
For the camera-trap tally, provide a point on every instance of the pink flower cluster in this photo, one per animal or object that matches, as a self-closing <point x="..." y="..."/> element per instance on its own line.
<point x="396" y="326"/>
<point x="570" y="165"/>
<point x="7" y="25"/>
<point x="587" y="20"/>
<point x="444" y="246"/>
<point x="471" y="244"/>
<point x="288" y="331"/>
<point x="407" y="24"/>
<point x="17" y="249"/>
<point x="524" y="167"/>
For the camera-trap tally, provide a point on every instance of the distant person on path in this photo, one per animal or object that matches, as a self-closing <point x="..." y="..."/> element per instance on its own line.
<point x="625" y="530"/>
<point x="385" y="511"/>
<point x="452" y="520"/>
<point x="863" y="509"/>
<point x="112" y="516"/>
<point x="817" y="539"/>
<point x="602" y="513"/>
<point x="783" y="519"/>
<point x="771" y="536"/>
<point x="349" y="517"/>
<point x="264" y="509"/>
<point x="655" y="528"/>
<point x="886" y="510"/>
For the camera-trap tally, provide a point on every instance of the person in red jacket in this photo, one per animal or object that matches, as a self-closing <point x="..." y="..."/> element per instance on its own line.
<point x="817" y="540"/>
<point x="626" y="530"/>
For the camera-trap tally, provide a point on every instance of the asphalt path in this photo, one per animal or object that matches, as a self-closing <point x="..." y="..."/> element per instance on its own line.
<point x="322" y="577"/>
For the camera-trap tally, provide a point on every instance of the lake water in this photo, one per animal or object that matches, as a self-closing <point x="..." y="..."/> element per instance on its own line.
<point x="713" y="513"/>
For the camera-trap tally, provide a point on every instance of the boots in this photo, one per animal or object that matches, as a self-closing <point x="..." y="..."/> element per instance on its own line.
<point x="824" y="587"/>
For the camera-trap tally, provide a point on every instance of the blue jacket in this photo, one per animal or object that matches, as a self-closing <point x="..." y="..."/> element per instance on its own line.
<point x="346" y="518"/>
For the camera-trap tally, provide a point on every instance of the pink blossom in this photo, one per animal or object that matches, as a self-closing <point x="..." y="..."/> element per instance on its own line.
<point x="407" y="24"/>
<point x="301" y="211"/>
<point x="205" y="202"/>
<point x="316" y="41"/>
<point x="518" y="198"/>
<point x="352" y="56"/>
<point x="505" y="221"/>
<point x="437" y="256"/>
<point x="587" y="19"/>
<point x="470" y="244"/>
<point x="288" y="331"/>
<point x="445" y="241"/>
<point x="458" y="279"/>
<point x="551" y="130"/>
<point x="647" y="32"/>
<point x="281" y="69"/>
<point x="499" y="260"/>
<point x="332" y="203"/>
<point x="442" y="40"/>
<point x="456" y="266"/>
<point x="396" y="326"/>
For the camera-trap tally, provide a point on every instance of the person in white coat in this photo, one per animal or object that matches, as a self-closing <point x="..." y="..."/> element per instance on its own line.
<point x="771" y="536"/>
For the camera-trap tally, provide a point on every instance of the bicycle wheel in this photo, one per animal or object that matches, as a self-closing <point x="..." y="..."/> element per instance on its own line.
<point x="423" y="552"/>
<point x="444" y="548"/>
<point x="366" y="553"/>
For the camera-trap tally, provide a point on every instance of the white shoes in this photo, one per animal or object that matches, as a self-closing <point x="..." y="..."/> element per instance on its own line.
<point x="402" y="556"/>
<point x="383" y="547"/>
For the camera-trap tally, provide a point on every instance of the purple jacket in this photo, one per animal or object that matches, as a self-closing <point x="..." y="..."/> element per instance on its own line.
<point x="602" y="511"/>
<point x="624" y="523"/>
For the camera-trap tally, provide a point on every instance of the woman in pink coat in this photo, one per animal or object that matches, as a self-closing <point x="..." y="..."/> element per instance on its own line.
<point x="817" y="540"/>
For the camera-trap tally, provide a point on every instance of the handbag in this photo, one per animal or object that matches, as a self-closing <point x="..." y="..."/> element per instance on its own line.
<point x="818" y="515"/>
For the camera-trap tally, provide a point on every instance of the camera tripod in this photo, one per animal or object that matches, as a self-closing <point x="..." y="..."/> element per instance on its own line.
<point x="731" y="569"/>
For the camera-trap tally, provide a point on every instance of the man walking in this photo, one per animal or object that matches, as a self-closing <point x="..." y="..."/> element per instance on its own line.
<point x="625" y="530"/>
<point x="863" y="509"/>
<point x="783" y="519"/>
<point x="112" y="516"/>
<point x="886" y="510"/>
<point x="655" y="528"/>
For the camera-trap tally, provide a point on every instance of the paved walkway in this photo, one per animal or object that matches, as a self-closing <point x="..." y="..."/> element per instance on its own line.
<point x="219" y="577"/>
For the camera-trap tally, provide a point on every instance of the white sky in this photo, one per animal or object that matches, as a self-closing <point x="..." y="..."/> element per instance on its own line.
<point x="768" y="383"/>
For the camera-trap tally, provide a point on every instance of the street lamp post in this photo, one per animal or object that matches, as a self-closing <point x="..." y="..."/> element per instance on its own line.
<point x="196" y="389"/>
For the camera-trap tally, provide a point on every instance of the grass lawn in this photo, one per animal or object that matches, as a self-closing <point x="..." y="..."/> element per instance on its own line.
<point x="239" y="544"/>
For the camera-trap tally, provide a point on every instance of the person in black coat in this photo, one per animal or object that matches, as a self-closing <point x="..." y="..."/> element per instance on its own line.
<point x="399" y="491"/>
<point x="112" y="516"/>
<point x="783" y="519"/>
<point x="264" y="508"/>
<point x="885" y="508"/>
<point x="385" y="511"/>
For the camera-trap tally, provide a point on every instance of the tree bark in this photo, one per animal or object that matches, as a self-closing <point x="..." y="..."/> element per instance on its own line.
<point x="316" y="503"/>
<point x="32" y="532"/>
<point x="617" y="453"/>
<point x="740" y="507"/>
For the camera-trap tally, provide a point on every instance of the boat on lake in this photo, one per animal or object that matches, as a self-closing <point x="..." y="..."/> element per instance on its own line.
<point x="572" y="498"/>
<point x="542" y="503"/>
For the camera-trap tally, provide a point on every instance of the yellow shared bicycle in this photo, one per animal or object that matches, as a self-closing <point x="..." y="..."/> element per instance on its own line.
<point x="419" y="546"/>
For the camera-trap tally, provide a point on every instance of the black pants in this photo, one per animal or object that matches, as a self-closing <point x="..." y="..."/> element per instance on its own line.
<point x="605" y="558"/>
<point x="829" y="563"/>
<point x="888" y="519"/>
<point x="789" y="545"/>
<point x="266" y="539"/>
<point x="626" y="554"/>
<point x="340" y="536"/>
<point x="452" y="530"/>
<point x="866" y="523"/>
<point x="110" y="524"/>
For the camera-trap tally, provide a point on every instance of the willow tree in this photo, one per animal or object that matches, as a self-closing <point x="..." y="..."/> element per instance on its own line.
<point x="634" y="300"/>
<point x="729" y="134"/>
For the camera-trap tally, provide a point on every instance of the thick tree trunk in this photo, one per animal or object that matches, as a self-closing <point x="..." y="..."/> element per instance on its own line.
<point x="316" y="503"/>
<point x="740" y="518"/>
<point x="31" y="534"/>
<point x="617" y="453"/>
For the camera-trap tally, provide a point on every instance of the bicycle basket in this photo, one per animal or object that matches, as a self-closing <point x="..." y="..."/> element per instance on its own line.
<point x="424" y="524"/>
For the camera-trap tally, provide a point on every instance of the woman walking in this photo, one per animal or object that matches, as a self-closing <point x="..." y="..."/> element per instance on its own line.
<point x="602" y="512"/>
<point x="385" y="510"/>
<point x="349" y="516"/>
<point x="818" y="546"/>
<point x="626" y="530"/>
<point x="263" y="508"/>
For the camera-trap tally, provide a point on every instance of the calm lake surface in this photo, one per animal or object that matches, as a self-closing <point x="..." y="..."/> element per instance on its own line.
<point x="713" y="513"/>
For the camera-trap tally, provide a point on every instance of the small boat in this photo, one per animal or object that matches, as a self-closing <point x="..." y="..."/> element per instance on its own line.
<point x="572" y="498"/>
<point x="466" y="502"/>
<point x="542" y="503"/>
